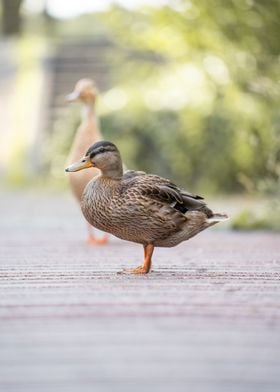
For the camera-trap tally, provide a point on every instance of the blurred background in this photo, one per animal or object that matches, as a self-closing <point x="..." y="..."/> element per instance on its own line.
<point x="189" y="90"/>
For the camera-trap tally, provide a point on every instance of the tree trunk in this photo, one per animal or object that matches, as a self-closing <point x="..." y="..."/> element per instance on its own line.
<point x="11" y="19"/>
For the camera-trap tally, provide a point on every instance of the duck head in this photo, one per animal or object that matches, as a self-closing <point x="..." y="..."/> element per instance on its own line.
<point x="103" y="155"/>
<point x="84" y="91"/>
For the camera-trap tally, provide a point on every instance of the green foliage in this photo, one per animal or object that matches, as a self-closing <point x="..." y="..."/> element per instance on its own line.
<point x="203" y="91"/>
<point x="161" y="142"/>
<point x="263" y="219"/>
<point x="195" y="92"/>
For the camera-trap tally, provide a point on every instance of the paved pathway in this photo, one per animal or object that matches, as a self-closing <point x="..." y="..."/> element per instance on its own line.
<point x="207" y="319"/>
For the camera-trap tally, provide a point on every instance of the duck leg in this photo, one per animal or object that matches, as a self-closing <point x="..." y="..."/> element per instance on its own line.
<point x="93" y="240"/>
<point x="145" y="268"/>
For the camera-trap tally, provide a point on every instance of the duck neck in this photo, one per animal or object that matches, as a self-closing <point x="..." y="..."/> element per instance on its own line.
<point x="88" y="111"/>
<point x="90" y="124"/>
<point x="87" y="133"/>
<point x="114" y="171"/>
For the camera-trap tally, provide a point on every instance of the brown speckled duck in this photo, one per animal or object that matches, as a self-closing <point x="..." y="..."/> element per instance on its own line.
<point x="88" y="133"/>
<point x="139" y="207"/>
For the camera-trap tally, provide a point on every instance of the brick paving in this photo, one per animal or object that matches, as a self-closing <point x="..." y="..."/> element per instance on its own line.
<point x="207" y="319"/>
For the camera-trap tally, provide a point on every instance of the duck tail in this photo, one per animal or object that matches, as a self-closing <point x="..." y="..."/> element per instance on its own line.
<point x="215" y="218"/>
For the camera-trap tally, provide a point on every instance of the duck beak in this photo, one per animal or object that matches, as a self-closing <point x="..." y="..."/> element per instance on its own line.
<point x="84" y="163"/>
<point x="72" y="97"/>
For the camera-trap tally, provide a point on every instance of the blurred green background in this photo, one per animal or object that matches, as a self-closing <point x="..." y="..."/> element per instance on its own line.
<point x="188" y="89"/>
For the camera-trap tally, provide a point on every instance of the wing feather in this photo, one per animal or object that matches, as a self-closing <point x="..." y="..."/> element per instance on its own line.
<point x="162" y="190"/>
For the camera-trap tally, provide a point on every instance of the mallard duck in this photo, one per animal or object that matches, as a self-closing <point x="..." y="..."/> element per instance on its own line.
<point x="139" y="207"/>
<point x="87" y="133"/>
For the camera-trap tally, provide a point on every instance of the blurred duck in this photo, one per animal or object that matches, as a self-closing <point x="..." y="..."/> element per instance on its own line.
<point x="139" y="207"/>
<point x="87" y="133"/>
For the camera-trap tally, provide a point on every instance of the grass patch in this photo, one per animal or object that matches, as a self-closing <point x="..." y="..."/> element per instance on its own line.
<point x="267" y="218"/>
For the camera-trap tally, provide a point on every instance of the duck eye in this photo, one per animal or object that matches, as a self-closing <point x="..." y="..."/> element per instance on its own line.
<point x="83" y="160"/>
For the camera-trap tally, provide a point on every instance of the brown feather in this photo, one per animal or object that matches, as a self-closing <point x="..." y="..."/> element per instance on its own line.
<point x="142" y="208"/>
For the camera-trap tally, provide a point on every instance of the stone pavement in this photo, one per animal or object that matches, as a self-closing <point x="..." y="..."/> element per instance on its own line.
<point x="207" y="319"/>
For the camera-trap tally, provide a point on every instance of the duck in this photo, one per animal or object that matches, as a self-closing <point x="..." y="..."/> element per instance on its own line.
<point x="135" y="206"/>
<point x="88" y="132"/>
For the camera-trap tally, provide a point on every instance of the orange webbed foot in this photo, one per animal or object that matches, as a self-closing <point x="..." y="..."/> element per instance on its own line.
<point x="141" y="270"/>
<point x="145" y="268"/>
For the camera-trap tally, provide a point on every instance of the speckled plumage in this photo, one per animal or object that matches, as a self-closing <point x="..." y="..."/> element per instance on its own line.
<point x="143" y="208"/>
<point x="139" y="207"/>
